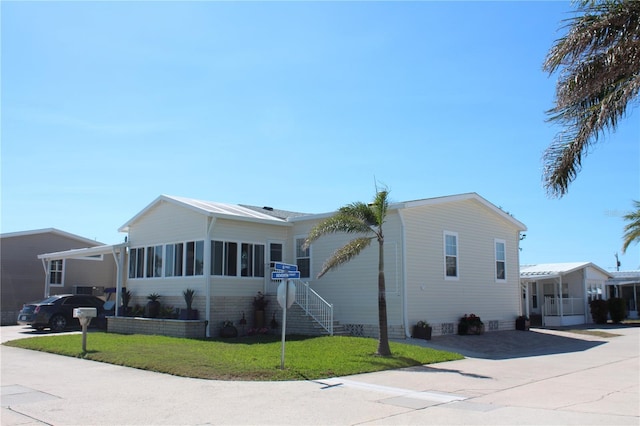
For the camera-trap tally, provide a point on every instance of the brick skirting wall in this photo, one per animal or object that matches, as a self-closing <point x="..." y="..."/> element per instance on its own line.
<point x="163" y="327"/>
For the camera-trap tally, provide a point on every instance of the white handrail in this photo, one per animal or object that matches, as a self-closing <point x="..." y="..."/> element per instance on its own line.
<point x="314" y="305"/>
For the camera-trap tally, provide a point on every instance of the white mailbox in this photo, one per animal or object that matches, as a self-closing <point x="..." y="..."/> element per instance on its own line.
<point x="84" y="315"/>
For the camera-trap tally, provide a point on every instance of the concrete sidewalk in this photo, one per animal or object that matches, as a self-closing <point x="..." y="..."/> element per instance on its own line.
<point x="537" y="377"/>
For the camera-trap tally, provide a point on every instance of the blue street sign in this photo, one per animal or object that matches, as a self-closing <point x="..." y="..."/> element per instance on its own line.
<point x="279" y="266"/>
<point x="285" y="275"/>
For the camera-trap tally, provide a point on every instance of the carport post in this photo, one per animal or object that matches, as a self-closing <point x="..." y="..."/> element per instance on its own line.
<point x="47" y="275"/>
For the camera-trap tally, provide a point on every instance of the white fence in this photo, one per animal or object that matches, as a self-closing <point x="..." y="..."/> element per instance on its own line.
<point x="570" y="306"/>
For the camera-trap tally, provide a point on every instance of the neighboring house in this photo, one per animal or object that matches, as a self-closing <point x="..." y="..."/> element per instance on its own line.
<point x="627" y="286"/>
<point x="444" y="257"/>
<point x="26" y="278"/>
<point x="559" y="293"/>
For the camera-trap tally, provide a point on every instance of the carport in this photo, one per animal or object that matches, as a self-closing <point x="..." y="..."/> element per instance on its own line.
<point x="118" y="251"/>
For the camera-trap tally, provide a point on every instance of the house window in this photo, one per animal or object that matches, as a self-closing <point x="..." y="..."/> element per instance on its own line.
<point x="136" y="263"/>
<point x="154" y="261"/>
<point x="252" y="260"/>
<point x="194" y="264"/>
<point x="501" y="262"/>
<point x="451" y="255"/>
<point x="224" y="258"/>
<point x="275" y="252"/>
<point x="55" y="272"/>
<point x="173" y="263"/>
<point x="303" y="258"/>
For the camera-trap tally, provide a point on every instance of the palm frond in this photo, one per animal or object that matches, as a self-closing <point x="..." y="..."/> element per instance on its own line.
<point x="345" y="253"/>
<point x="340" y="222"/>
<point x="600" y="77"/>
<point x="361" y="211"/>
<point x="632" y="228"/>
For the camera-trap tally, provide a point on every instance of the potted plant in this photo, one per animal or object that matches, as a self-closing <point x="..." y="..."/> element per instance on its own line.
<point x="259" y="305"/>
<point x="228" y="330"/>
<point x="189" y="313"/>
<point x="470" y="324"/>
<point x="523" y="323"/>
<point x="422" y="330"/>
<point x="153" y="306"/>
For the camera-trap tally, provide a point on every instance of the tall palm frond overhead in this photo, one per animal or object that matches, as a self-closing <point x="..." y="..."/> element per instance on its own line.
<point x="365" y="220"/>
<point x="632" y="228"/>
<point x="600" y="78"/>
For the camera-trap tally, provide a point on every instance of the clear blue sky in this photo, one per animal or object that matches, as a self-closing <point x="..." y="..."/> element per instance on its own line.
<point x="299" y="106"/>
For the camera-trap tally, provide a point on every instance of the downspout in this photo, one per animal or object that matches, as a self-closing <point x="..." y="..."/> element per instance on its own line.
<point x="526" y="283"/>
<point x="405" y="314"/>
<point x="47" y="275"/>
<point x="207" y="273"/>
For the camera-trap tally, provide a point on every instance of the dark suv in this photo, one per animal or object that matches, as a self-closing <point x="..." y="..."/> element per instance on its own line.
<point x="56" y="312"/>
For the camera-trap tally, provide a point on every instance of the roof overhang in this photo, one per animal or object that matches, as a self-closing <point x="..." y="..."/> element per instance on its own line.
<point x="89" y="253"/>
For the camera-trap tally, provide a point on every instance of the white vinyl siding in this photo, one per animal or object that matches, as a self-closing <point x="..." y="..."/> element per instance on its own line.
<point x="353" y="287"/>
<point x="428" y="295"/>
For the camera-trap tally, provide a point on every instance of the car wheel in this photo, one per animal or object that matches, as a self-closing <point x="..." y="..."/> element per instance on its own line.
<point x="58" y="323"/>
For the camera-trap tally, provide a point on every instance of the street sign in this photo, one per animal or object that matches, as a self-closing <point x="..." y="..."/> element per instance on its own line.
<point x="279" y="266"/>
<point x="278" y="275"/>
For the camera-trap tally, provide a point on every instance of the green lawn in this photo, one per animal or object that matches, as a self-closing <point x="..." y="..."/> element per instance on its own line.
<point x="243" y="358"/>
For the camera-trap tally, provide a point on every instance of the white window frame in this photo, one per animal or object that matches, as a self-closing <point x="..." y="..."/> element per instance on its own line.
<point x="445" y="234"/>
<point x="139" y="269"/>
<point x="61" y="270"/>
<point x="150" y="267"/>
<point x="296" y="257"/>
<point x="496" y="260"/>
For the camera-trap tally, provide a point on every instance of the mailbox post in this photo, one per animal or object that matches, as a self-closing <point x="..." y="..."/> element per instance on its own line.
<point x="84" y="315"/>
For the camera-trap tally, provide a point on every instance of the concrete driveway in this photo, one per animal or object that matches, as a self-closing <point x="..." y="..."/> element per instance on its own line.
<point x="510" y="377"/>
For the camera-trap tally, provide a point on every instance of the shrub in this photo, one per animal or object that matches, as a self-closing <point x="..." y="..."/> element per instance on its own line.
<point x="599" y="311"/>
<point x="617" y="309"/>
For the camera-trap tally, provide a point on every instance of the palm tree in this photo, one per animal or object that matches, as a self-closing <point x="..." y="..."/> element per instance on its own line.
<point x="632" y="228"/>
<point x="600" y="61"/>
<point x="365" y="219"/>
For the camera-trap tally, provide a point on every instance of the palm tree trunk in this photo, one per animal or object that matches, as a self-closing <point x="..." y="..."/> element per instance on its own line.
<point x="383" y="340"/>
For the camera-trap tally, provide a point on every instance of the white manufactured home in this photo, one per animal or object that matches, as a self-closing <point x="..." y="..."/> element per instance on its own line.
<point x="444" y="257"/>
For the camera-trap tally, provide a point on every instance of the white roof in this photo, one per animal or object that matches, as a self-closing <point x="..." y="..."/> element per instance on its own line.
<point x="209" y="208"/>
<point x="554" y="270"/>
<point x="83" y="253"/>
<point x="624" y="277"/>
<point x="434" y="201"/>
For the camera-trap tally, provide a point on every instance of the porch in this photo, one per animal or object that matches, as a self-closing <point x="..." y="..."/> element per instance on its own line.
<point x="563" y="311"/>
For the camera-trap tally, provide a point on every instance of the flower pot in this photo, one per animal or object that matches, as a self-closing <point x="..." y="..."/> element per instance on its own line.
<point x="259" y="319"/>
<point x="189" y="314"/>
<point x="523" y="324"/>
<point x="152" y="309"/>
<point x="228" y="331"/>
<point x="421" y="332"/>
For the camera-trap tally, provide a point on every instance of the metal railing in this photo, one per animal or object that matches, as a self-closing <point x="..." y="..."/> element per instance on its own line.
<point x="314" y="305"/>
<point x="570" y="306"/>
